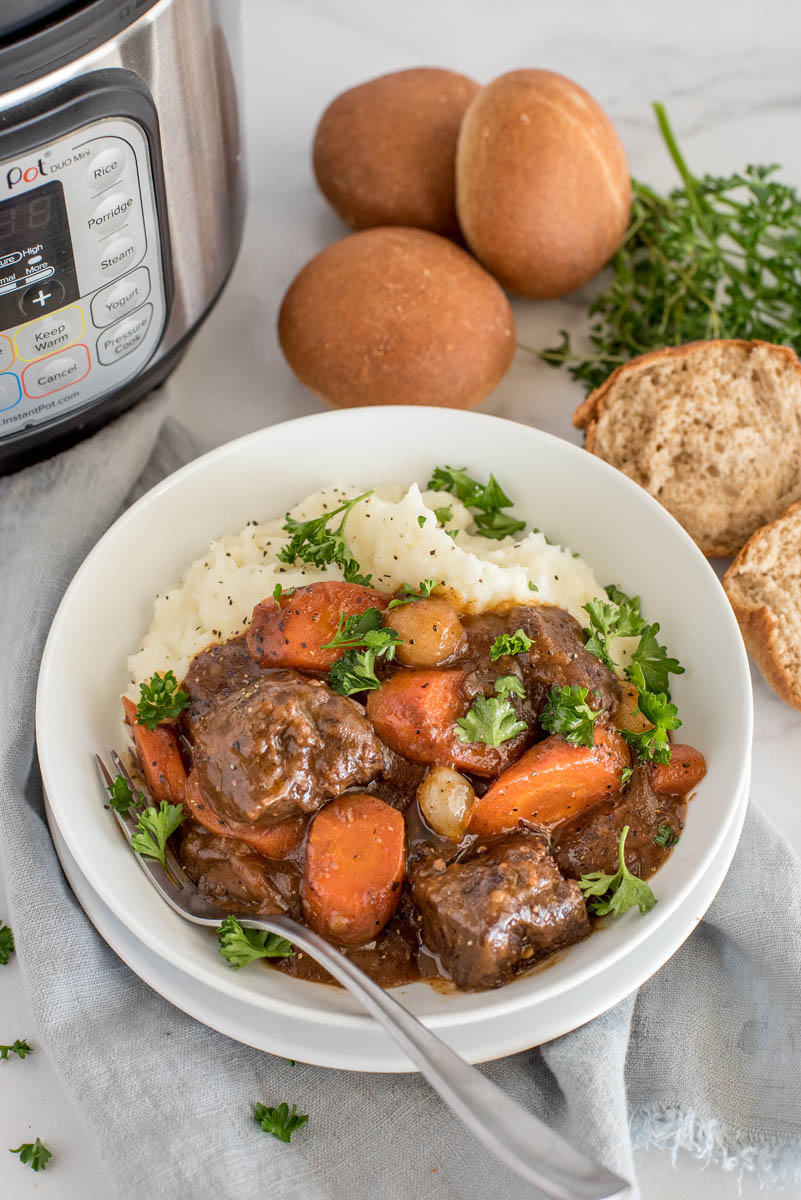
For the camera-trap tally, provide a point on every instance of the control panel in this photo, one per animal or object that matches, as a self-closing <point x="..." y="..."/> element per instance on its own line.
<point x="82" y="299"/>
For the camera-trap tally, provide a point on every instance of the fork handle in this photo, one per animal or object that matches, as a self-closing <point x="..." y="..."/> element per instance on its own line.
<point x="519" y="1139"/>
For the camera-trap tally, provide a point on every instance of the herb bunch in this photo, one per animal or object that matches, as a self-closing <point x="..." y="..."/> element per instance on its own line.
<point x="718" y="257"/>
<point x="315" y="542"/>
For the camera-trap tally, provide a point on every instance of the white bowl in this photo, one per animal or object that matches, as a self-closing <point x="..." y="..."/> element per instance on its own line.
<point x="575" y="498"/>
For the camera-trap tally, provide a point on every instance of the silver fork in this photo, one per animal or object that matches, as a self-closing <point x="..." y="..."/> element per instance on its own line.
<point x="520" y="1140"/>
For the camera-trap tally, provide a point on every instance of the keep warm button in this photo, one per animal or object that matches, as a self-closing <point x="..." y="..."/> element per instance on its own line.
<point x="124" y="337"/>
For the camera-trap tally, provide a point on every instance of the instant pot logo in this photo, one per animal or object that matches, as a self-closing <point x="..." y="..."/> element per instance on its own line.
<point x="26" y="174"/>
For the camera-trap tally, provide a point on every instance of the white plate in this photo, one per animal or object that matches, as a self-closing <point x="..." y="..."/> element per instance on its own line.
<point x="573" y="496"/>
<point x="354" y="1050"/>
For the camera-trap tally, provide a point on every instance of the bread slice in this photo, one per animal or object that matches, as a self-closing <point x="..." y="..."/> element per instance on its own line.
<point x="764" y="587"/>
<point x="711" y="429"/>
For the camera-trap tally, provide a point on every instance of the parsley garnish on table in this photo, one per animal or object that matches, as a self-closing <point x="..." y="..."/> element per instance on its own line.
<point x="240" y="946"/>
<point x="491" y="720"/>
<point x="486" y="500"/>
<point x="567" y="712"/>
<point x="314" y="542"/>
<point x="715" y="258"/>
<point x="617" y="893"/>
<point x="6" y="943"/>
<point x="355" y="671"/>
<point x="33" y="1154"/>
<point x="20" y="1047"/>
<point x="155" y="826"/>
<point x="281" y="1122"/>
<point x="160" y="699"/>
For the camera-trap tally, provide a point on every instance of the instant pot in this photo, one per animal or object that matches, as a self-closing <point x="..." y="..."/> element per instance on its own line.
<point x="121" y="203"/>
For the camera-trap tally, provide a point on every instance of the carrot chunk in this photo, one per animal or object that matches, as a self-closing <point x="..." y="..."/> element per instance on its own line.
<point x="159" y="757"/>
<point x="686" y="769"/>
<point x="415" y="713"/>
<point x="292" y="631"/>
<point x="552" y="781"/>
<point x="355" y="859"/>
<point x="275" y="842"/>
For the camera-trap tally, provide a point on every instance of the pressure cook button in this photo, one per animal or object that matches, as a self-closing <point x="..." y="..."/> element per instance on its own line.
<point x="6" y="352"/>
<point x="56" y="372"/>
<point x="49" y="334"/>
<point x="121" y="297"/>
<point x="111" y="213"/>
<point x="119" y="256"/>
<point x="124" y="337"/>
<point x="106" y="167"/>
<point x="10" y="393"/>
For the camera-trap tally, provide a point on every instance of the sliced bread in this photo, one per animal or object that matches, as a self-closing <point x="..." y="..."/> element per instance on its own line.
<point x="764" y="587"/>
<point x="711" y="429"/>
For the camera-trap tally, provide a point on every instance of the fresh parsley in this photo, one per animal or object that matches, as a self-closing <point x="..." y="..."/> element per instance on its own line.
<point x="617" y="893"/>
<point x="532" y="587"/>
<point x="567" y="712"/>
<point x="618" y="617"/>
<point x="240" y="946"/>
<point x="487" y="501"/>
<point x="666" y="836"/>
<point x="651" y="665"/>
<point x="6" y="943"/>
<point x="160" y="699"/>
<point x="715" y="258"/>
<point x="443" y="515"/>
<point x="625" y="775"/>
<point x="34" y="1154"/>
<point x="155" y="826"/>
<point x="653" y="745"/>
<point x="509" y="643"/>
<point x="315" y="543"/>
<point x="121" y="797"/>
<point x="490" y="720"/>
<point x="421" y="520"/>
<point x="281" y="1122"/>
<point x="509" y="685"/>
<point x="281" y="593"/>
<point x="355" y="671"/>
<point x="20" y="1048"/>
<point x="424" y="589"/>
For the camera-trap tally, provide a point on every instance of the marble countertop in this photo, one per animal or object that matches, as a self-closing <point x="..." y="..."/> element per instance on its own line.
<point x="728" y="73"/>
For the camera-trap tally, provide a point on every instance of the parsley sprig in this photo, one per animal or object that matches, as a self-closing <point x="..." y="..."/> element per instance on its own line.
<point x="424" y="589"/>
<point x="666" y="836"/>
<point x="281" y="1122"/>
<point x="715" y="258"/>
<point x="19" y="1047"/>
<point x="6" y="943"/>
<point x="653" y="745"/>
<point x="510" y="643"/>
<point x="567" y="712"/>
<point x="486" y="499"/>
<point x="33" y="1154"/>
<point x="155" y="826"/>
<point x="121" y="798"/>
<point x="240" y="946"/>
<point x="491" y="720"/>
<point x="355" y="671"/>
<point x="160" y="699"/>
<point x="314" y="542"/>
<point x="617" y="893"/>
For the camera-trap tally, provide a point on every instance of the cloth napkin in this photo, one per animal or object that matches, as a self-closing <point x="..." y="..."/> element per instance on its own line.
<point x="706" y="1056"/>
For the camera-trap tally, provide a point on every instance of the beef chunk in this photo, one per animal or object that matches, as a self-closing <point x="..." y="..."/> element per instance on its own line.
<point x="234" y="876"/>
<point x="499" y="911"/>
<point x="215" y="673"/>
<point x="280" y="747"/>
<point x="558" y="657"/>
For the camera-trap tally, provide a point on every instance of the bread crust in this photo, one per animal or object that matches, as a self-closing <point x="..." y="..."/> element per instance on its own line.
<point x="587" y="413"/>
<point x="759" y="626"/>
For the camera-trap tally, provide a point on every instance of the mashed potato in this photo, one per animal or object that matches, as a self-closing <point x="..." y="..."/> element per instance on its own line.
<point x="396" y="538"/>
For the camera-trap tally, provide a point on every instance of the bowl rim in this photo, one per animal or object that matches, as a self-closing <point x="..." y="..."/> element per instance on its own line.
<point x="495" y="1002"/>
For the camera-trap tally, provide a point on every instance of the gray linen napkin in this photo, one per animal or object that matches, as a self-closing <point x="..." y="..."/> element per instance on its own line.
<point x="706" y="1056"/>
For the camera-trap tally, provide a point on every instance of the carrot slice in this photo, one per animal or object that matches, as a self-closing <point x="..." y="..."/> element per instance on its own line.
<point x="292" y="631"/>
<point x="552" y="781"/>
<point x="275" y="842"/>
<point x="415" y="713"/>
<point x="159" y="757"/>
<point x="355" y="859"/>
<point x="686" y="769"/>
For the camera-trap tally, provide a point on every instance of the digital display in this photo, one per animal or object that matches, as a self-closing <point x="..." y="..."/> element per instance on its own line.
<point x="37" y="268"/>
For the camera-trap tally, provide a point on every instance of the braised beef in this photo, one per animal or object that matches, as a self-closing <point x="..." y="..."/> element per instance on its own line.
<point x="234" y="876"/>
<point x="215" y="673"/>
<point x="497" y="912"/>
<point x="558" y="656"/>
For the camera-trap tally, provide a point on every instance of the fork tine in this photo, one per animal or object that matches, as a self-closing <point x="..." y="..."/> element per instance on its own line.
<point x="179" y="876"/>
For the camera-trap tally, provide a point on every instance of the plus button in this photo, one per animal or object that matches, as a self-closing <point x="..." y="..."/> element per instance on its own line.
<point x="41" y="298"/>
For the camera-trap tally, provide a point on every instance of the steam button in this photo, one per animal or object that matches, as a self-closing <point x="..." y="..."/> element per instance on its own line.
<point x="111" y="213"/>
<point x="119" y="255"/>
<point x="106" y="167"/>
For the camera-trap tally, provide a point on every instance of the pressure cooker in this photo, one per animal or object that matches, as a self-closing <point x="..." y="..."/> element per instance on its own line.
<point x="121" y="203"/>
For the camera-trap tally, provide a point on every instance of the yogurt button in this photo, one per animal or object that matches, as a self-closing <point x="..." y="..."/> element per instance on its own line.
<point x="57" y="372"/>
<point x="121" y="297"/>
<point x="124" y="337"/>
<point x="111" y="213"/>
<point x="119" y="256"/>
<point x="10" y="392"/>
<point x="106" y="167"/>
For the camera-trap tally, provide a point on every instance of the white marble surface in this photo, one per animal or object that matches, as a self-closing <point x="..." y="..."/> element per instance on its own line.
<point x="729" y="75"/>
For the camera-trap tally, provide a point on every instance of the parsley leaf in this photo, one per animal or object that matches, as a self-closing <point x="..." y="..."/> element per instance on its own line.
<point x="443" y="515"/>
<point x="20" y="1048"/>
<point x="355" y="671"/>
<point x="351" y="631"/>
<point x="666" y="836"/>
<point x="653" y="744"/>
<point x="313" y="542"/>
<point x="160" y="699"/>
<point x="490" y="720"/>
<point x="421" y="520"/>
<point x="279" y="591"/>
<point x="619" y="617"/>
<point x="240" y="946"/>
<point x="281" y="1122"/>
<point x="625" y="775"/>
<point x="650" y="664"/>
<point x="567" y="712"/>
<point x="424" y="589"/>
<point x="154" y="828"/>
<point x="6" y="943"/>
<point x="33" y="1153"/>
<point x="509" y="643"/>
<point x="509" y="685"/>
<point x="121" y="797"/>
<point x="617" y="893"/>
<point x="532" y="587"/>
<point x="489" y="499"/>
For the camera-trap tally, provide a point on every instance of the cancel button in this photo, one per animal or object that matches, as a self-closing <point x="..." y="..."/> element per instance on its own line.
<point x="124" y="337"/>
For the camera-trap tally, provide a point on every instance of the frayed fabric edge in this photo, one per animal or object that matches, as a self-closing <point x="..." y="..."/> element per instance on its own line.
<point x="774" y="1162"/>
